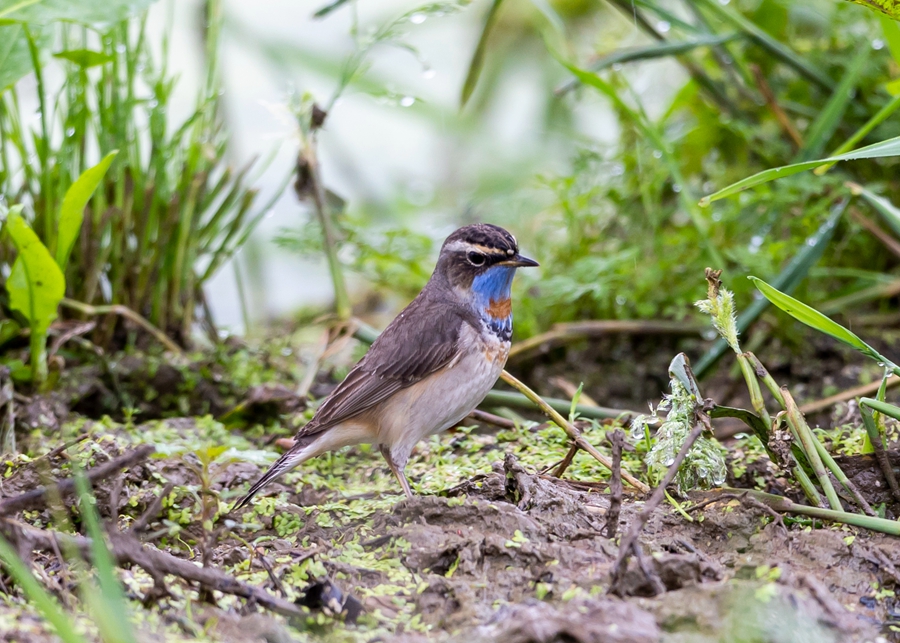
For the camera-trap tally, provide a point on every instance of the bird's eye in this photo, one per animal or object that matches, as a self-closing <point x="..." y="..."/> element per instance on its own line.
<point x="475" y="258"/>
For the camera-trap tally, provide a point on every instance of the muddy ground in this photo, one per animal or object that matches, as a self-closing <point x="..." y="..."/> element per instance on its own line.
<point x="490" y="549"/>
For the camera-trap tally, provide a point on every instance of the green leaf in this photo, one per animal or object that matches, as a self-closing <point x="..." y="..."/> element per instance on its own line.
<point x="814" y="319"/>
<point x="71" y="213"/>
<point x="890" y="147"/>
<point x="15" y="60"/>
<point x="84" y="57"/>
<point x="891" y="31"/>
<point x="45" y="604"/>
<point x="478" y="57"/>
<point x="882" y="407"/>
<point x="36" y="284"/>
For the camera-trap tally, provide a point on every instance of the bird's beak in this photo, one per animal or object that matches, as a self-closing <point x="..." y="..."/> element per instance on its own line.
<point x="520" y="262"/>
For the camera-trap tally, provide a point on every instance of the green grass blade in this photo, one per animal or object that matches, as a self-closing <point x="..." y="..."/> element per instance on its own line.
<point x="787" y="280"/>
<point x="888" y="211"/>
<point x="49" y="609"/>
<point x="477" y="62"/>
<point x="882" y="407"/>
<point x="114" y="615"/>
<point x="826" y="123"/>
<point x="71" y="213"/>
<point x="862" y="132"/>
<point x="889" y="147"/>
<point x="814" y="319"/>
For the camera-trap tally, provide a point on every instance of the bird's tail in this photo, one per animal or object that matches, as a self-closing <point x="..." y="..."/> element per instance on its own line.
<point x="290" y="459"/>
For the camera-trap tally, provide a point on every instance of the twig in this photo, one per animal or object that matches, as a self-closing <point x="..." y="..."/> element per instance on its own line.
<point x="127" y="549"/>
<point x="629" y="541"/>
<point x="127" y="313"/>
<point x="617" y="438"/>
<point x="570" y="430"/>
<point x="567" y="460"/>
<point x="74" y="331"/>
<point x="152" y="510"/>
<point x="565" y="333"/>
<point x="884" y="237"/>
<point x="857" y="391"/>
<point x="36" y="497"/>
<point x="489" y="418"/>
<point x="772" y="102"/>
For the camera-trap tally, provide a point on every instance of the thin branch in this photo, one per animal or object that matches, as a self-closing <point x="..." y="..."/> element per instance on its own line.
<point x="127" y="313"/>
<point x="570" y="430"/>
<point x="36" y="497"/>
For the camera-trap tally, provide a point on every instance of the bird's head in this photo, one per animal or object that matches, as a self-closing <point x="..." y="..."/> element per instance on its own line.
<point x="479" y="262"/>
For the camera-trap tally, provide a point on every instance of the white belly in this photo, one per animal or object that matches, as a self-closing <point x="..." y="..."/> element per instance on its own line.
<point x="444" y="398"/>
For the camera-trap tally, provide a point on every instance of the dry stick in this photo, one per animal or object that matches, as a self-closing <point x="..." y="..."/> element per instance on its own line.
<point x="490" y="418"/>
<point x="128" y="549"/>
<point x="153" y="509"/>
<point x="36" y="497"/>
<point x="772" y="102"/>
<point x="629" y="541"/>
<point x="573" y="331"/>
<point x="567" y="460"/>
<point x="617" y="438"/>
<point x="570" y="430"/>
<point x="857" y="391"/>
<point x="886" y="239"/>
<point x="127" y="313"/>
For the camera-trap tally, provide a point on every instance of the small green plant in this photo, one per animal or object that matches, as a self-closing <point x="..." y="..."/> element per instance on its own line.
<point x="167" y="211"/>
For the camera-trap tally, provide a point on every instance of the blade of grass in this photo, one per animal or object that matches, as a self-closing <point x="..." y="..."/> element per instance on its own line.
<point x="814" y="319"/>
<point x="477" y="62"/>
<point x="49" y="608"/>
<point x="883" y="149"/>
<point x="862" y="132"/>
<point x="650" y="52"/>
<point x="112" y="598"/>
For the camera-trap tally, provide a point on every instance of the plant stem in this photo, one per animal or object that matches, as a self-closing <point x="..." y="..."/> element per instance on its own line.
<point x="570" y="430"/>
<point x="124" y="311"/>
<point x="803" y="432"/>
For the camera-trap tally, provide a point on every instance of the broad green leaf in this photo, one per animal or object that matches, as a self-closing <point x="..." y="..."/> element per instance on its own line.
<point x="84" y="57"/>
<point x="478" y="57"/>
<point x="887" y="7"/>
<point x="71" y="213"/>
<point x="15" y="60"/>
<point x="814" y="319"/>
<point x="45" y="604"/>
<point x="891" y="31"/>
<point x="888" y="211"/>
<point x="890" y="147"/>
<point x="36" y="284"/>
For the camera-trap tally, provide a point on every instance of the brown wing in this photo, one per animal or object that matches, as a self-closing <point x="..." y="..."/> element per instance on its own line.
<point x="421" y="340"/>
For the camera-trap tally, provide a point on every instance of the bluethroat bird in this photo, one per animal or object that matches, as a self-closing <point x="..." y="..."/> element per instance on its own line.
<point x="430" y="367"/>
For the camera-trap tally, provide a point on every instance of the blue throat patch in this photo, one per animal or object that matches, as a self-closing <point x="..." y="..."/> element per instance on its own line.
<point x="491" y="289"/>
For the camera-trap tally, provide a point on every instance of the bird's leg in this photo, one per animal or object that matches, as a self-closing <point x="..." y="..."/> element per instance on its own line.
<point x="398" y="473"/>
